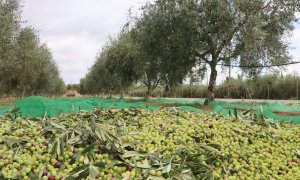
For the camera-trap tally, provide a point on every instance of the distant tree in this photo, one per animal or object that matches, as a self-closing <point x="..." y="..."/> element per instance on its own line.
<point x="73" y="87"/>
<point x="26" y="65"/>
<point x="10" y="23"/>
<point x="48" y="78"/>
<point x="100" y="79"/>
<point x="69" y="86"/>
<point x="59" y="87"/>
<point x="123" y="60"/>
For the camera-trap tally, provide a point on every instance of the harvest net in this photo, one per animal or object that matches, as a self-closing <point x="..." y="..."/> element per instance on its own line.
<point x="37" y="106"/>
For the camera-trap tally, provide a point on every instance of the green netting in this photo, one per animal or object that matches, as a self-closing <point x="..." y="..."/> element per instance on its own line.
<point x="191" y="109"/>
<point x="38" y="106"/>
<point x="269" y="109"/>
<point x="269" y="114"/>
<point x="280" y="107"/>
<point x="222" y="110"/>
<point x="239" y="105"/>
<point x="5" y="109"/>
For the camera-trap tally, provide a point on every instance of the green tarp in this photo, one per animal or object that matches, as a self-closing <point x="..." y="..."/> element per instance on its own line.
<point x="37" y="106"/>
<point x="3" y="110"/>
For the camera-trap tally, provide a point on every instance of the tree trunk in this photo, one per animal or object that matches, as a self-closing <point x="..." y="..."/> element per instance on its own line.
<point x="110" y="94"/>
<point x="23" y="93"/>
<point x="212" y="85"/>
<point x="148" y="93"/>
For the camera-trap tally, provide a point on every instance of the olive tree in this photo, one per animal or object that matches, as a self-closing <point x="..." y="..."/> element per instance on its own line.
<point x="100" y="77"/>
<point x="242" y="32"/>
<point x="26" y="65"/>
<point x="165" y="37"/>
<point x="9" y="27"/>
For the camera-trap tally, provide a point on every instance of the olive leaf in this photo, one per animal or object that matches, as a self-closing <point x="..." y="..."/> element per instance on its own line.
<point x="57" y="125"/>
<point x="93" y="172"/>
<point x="168" y="167"/>
<point x="77" y="171"/>
<point x="128" y="154"/>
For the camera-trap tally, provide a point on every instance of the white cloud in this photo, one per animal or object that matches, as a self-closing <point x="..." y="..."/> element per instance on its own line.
<point x="76" y="30"/>
<point x="74" y="54"/>
<point x="295" y="52"/>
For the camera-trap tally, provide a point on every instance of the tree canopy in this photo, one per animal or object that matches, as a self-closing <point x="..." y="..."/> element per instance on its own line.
<point x="248" y="33"/>
<point x="165" y="35"/>
<point x="27" y="66"/>
<point x="171" y="38"/>
<point x="150" y="48"/>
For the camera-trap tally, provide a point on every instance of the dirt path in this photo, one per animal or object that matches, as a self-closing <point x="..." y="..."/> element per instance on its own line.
<point x="245" y="100"/>
<point x="287" y="113"/>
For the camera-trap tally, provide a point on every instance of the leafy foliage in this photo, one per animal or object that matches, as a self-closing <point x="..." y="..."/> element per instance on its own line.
<point x="26" y="65"/>
<point x="193" y="35"/>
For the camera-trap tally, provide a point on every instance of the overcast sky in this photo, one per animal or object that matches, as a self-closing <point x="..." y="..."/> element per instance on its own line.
<point x="75" y="30"/>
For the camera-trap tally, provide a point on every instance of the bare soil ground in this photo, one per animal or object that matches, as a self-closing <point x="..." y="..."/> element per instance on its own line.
<point x="163" y="104"/>
<point x="7" y="102"/>
<point x="287" y="113"/>
<point x="250" y="100"/>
